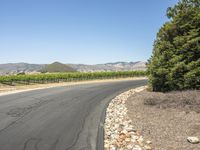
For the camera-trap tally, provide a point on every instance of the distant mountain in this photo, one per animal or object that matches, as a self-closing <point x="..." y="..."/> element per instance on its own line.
<point x="15" y="68"/>
<point x="58" y="67"/>
<point x="117" y="66"/>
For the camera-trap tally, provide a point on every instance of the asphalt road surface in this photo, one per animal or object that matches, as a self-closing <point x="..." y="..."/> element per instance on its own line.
<point x="60" y="118"/>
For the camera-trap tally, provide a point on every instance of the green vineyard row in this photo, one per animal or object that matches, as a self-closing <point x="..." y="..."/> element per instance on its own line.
<point x="66" y="77"/>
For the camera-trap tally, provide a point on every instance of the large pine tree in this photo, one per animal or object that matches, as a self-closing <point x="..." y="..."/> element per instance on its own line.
<point x="175" y="63"/>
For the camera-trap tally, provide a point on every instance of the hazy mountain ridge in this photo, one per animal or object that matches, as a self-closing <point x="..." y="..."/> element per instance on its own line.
<point x="15" y="68"/>
<point x="117" y="66"/>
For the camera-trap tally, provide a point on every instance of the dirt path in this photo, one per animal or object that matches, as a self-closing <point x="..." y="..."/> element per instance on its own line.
<point x="5" y="89"/>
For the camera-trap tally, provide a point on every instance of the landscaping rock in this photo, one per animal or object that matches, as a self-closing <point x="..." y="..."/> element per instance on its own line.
<point x="193" y="140"/>
<point x="119" y="133"/>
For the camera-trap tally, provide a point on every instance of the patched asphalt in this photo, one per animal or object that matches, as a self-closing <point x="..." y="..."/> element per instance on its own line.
<point x="60" y="118"/>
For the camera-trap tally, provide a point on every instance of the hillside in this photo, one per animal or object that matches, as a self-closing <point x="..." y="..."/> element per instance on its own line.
<point x="15" y="68"/>
<point x="57" y="67"/>
<point x="117" y="66"/>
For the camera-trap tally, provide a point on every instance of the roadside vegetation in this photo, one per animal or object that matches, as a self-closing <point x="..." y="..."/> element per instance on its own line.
<point x="175" y="63"/>
<point x="66" y="77"/>
<point x="168" y="113"/>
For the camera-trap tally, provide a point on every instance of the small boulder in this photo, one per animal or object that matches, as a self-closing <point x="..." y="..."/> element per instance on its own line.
<point x="193" y="140"/>
<point x="147" y="147"/>
<point x="148" y="142"/>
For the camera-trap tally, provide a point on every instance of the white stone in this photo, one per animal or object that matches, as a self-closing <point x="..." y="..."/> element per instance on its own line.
<point x="193" y="140"/>
<point x="148" y="142"/>
<point x="119" y="133"/>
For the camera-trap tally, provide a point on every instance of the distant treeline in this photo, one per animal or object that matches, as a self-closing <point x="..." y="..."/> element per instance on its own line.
<point x="66" y="77"/>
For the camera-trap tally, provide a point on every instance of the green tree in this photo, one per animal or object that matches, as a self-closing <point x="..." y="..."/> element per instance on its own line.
<point x="175" y="62"/>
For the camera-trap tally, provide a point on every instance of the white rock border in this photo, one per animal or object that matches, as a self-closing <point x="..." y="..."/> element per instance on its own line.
<point x="119" y="133"/>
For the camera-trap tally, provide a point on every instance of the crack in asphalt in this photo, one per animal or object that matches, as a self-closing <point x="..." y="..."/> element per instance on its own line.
<point x="54" y="145"/>
<point x="35" y="141"/>
<point x="79" y="132"/>
<point x="76" y="111"/>
<point x="82" y="126"/>
<point x="20" y="113"/>
<point x="26" y="110"/>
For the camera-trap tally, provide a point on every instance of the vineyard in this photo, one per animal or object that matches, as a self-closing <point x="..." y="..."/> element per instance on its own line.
<point x="66" y="77"/>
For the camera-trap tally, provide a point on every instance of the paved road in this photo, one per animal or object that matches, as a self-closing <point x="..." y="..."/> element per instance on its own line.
<point x="61" y="118"/>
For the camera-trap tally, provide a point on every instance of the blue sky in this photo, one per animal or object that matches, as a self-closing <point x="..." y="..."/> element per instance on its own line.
<point x="79" y="31"/>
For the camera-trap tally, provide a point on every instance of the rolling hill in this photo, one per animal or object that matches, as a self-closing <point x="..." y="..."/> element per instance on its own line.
<point x="57" y="67"/>
<point x="117" y="66"/>
<point x="15" y="68"/>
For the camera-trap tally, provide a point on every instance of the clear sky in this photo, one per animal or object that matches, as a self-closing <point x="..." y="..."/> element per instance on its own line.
<point x="79" y="31"/>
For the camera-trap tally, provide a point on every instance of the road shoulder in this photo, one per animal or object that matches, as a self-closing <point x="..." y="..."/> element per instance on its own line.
<point x="119" y="132"/>
<point x="6" y="90"/>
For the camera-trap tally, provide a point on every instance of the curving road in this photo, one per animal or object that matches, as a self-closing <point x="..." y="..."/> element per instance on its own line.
<point x="60" y="118"/>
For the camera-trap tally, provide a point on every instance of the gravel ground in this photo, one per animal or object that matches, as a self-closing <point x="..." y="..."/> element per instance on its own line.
<point x="166" y="119"/>
<point x="119" y="131"/>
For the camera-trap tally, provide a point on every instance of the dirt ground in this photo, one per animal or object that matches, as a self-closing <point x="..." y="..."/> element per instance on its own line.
<point x="166" y="119"/>
<point x="6" y="89"/>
